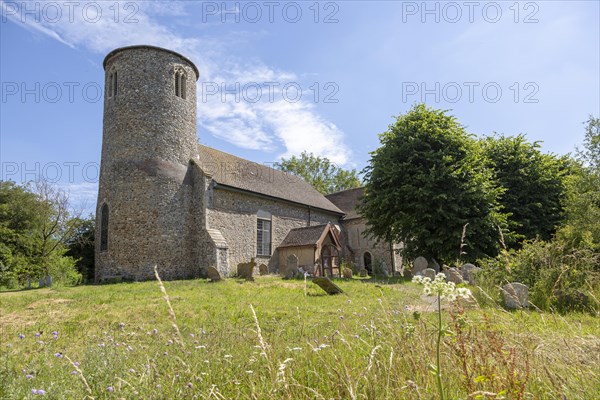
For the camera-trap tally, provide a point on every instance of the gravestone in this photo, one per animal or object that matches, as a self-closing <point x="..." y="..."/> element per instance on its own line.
<point x="291" y="272"/>
<point x="49" y="281"/>
<point x="327" y="285"/>
<point x="213" y="274"/>
<point x="347" y="272"/>
<point x="363" y="273"/>
<point x="245" y="270"/>
<point x="263" y="269"/>
<point x="468" y="272"/>
<point x="419" y="265"/>
<point x="429" y="273"/>
<point x="516" y="295"/>
<point x="433" y="264"/>
<point x="42" y="282"/>
<point x="291" y="268"/>
<point x="453" y="275"/>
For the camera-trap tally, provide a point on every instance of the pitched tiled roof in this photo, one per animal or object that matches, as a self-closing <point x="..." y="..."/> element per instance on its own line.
<point x="347" y="200"/>
<point x="307" y="236"/>
<point x="238" y="173"/>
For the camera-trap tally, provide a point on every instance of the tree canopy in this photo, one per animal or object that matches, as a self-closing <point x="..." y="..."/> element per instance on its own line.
<point x="320" y="172"/>
<point x="534" y="184"/>
<point x="35" y="224"/>
<point x="428" y="186"/>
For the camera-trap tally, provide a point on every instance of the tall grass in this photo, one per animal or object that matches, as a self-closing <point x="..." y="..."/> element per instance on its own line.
<point x="267" y="339"/>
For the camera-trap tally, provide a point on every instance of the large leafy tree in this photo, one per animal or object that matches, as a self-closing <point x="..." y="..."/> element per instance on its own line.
<point x="34" y="227"/>
<point x="534" y="184"/>
<point x="425" y="183"/>
<point x="320" y="172"/>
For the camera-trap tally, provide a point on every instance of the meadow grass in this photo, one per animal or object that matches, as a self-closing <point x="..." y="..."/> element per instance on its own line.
<point x="272" y="339"/>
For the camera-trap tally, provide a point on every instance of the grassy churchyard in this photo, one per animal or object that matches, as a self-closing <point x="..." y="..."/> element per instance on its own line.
<point x="276" y="338"/>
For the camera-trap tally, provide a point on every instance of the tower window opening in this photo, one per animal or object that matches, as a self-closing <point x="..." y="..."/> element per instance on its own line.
<point x="104" y="228"/>
<point x="112" y="84"/>
<point x="180" y="79"/>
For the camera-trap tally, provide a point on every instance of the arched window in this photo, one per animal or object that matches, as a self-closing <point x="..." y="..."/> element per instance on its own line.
<point x="180" y="79"/>
<point x="112" y="85"/>
<point x="104" y="228"/>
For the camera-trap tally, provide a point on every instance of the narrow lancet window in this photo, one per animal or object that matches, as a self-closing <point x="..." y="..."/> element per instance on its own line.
<point x="112" y="84"/>
<point x="104" y="228"/>
<point x="180" y="84"/>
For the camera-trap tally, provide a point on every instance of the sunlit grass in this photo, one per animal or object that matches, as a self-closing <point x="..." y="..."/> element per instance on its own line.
<point x="375" y="341"/>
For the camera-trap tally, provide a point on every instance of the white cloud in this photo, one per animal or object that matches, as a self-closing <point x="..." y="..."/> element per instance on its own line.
<point x="263" y="125"/>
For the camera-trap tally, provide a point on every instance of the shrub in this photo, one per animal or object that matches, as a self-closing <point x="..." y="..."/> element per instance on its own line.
<point x="559" y="275"/>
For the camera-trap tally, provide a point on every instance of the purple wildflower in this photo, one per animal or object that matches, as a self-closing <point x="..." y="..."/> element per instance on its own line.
<point x="59" y="355"/>
<point x="76" y="364"/>
<point x="21" y="336"/>
<point x="38" y="334"/>
<point x="29" y="376"/>
<point x="74" y="372"/>
<point x="110" y="389"/>
<point x="155" y="331"/>
<point x="38" y="391"/>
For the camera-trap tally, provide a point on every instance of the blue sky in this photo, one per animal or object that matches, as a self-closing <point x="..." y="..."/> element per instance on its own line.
<point x="508" y="67"/>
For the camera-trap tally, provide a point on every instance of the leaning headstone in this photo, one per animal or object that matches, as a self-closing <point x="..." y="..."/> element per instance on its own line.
<point x="363" y="272"/>
<point x="347" y="272"/>
<point x="433" y="264"/>
<point x="327" y="285"/>
<point x="429" y="273"/>
<point x="42" y="282"/>
<point x="468" y="272"/>
<point x="263" y="269"/>
<point x="453" y="275"/>
<point x="213" y="274"/>
<point x="516" y="295"/>
<point x="419" y="265"/>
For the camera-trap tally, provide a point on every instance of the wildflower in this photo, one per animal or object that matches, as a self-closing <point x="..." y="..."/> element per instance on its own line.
<point x="76" y="364"/>
<point x="29" y="376"/>
<point x="192" y="335"/>
<point x="439" y="287"/>
<point x="121" y="326"/>
<point x="21" y="336"/>
<point x="132" y="370"/>
<point x="155" y="331"/>
<point x="190" y="384"/>
<point x="38" y="334"/>
<point x="58" y="355"/>
<point x="73" y="372"/>
<point x="110" y="389"/>
<point x="38" y="391"/>
<point x="166" y="353"/>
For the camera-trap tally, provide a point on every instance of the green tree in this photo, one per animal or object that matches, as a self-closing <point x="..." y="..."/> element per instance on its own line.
<point x="425" y="182"/>
<point x="582" y="201"/>
<point x="321" y="173"/>
<point x="34" y="226"/>
<point x="533" y="182"/>
<point x="81" y="247"/>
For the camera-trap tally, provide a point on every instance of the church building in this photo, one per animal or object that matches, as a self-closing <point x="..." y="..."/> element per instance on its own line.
<point x="166" y="200"/>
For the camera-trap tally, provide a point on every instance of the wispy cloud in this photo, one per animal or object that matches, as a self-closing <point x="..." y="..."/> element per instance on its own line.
<point x="274" y="126"/>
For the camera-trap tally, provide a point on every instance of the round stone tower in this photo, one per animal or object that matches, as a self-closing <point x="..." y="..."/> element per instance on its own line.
<point x="145" y="207"/>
